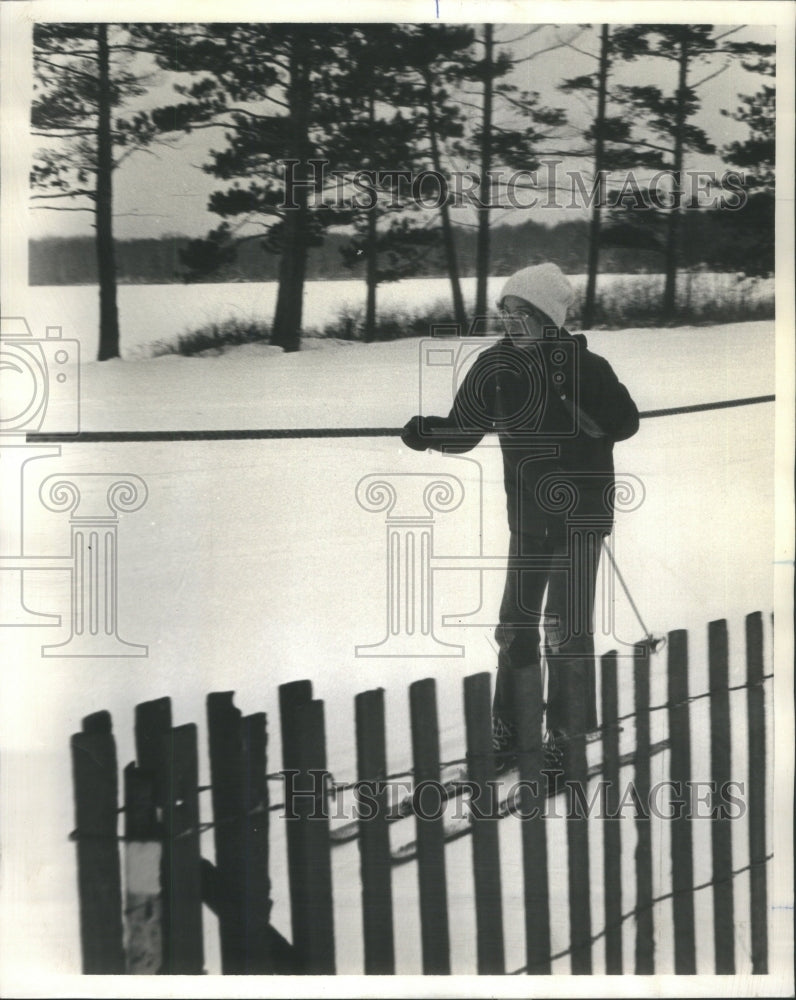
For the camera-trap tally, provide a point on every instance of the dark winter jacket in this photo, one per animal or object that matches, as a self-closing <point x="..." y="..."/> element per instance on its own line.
<point x="557" y="408"/>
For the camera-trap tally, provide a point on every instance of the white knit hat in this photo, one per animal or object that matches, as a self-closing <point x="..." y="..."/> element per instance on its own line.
<point x="544" y="286"/>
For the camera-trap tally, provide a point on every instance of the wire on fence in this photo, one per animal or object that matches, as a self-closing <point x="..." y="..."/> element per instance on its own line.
<point x="339" y="787"/>
<point x="648" y="906"/>
<point x="336" y="788"/>
<point x="664" y="706"/>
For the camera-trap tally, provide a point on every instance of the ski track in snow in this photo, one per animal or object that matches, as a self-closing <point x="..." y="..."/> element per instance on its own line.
<point x="251" y="564"/>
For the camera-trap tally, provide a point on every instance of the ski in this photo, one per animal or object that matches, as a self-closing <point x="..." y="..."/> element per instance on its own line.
<point x="400" y="805"/>
<point x="453" y="779"/>
<point x="459" y="825"/>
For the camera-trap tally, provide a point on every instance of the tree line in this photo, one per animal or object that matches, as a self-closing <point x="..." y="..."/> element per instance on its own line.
<point x="386" y="102"/>
<point x="739" y="241"/>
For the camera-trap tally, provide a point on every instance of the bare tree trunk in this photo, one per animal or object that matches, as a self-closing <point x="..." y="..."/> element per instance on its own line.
<point x="371" y="279"/>
<point x="599" y="155"/>
<point x="448" y="241"/>
<point x="286" y="331"/>
<point x="371" y="262"/>
<point x="485" y="186"/>
<point x="673" y="231"/>
<point x="106" y="262"/>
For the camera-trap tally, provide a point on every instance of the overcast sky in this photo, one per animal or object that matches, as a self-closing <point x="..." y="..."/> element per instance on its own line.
<point x="165" y="190"/>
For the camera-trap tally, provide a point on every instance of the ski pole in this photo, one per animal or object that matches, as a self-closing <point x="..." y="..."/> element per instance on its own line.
<point x="655" y="642"/>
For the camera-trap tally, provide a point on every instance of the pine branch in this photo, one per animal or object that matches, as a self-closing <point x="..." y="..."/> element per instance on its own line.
<point x="273" y="61"/>
<point x="66" y="68"/>
<point x="642" y="143"/>
<point x="253" y="114"/>
<point x="469" y="104"/>
<point x="66" y="53"/>
<point x="587" y="152"/>
<point x="575" y="48"/>
<point x="126" y="47"/>
<point x="510" y="41"/>
<point x="539" y="52"/>
<point x="710" y="76"/>
<point x="68" y="194"/>
<point x="129" y="152"/>
<point x="519" y="38"/>
<point x="59" y="208"/>
<point x="64" y="132"/>
<point x="138" y="215"/>
<point x="732" y="31"/>
<point x="203" y="125"/>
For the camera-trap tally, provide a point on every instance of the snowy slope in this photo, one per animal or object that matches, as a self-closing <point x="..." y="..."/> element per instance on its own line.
<point x="336" y="383"/>
<point x="252" y="564"/>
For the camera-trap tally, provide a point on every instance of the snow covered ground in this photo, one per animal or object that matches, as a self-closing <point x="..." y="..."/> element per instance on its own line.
<point x="251" y="563"/>
<point x="152" y="313"/>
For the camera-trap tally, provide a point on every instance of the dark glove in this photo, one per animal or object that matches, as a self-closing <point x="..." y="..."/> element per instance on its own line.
<point x="412" y="437"/>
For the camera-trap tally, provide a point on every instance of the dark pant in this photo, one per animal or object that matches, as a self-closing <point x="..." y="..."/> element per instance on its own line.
<point x="566" y="570"/>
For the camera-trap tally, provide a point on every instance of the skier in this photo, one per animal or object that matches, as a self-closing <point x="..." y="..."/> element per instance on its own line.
<point x="557" y="409"/>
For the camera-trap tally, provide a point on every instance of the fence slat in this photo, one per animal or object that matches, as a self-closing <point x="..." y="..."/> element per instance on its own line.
<point x="315" y="942"/>
<point x="430" y="830"/>
<point x="645" y="942"/>
<point x="612" y="833"/>
<point x="756" y="716"/>
<point x="143" y="856"/>
<point x="226" y="752"/>
<point x="152" y="722"/>
<point x="95" y="782"/>
<point x="240" y="811"/>
<point x="486" y="843"/>
<point x="178" y="778"/>
<point x="527" y="693"/>
<point x="576" y="774"/>
<point x="682" y="840"/>
<point x="260" y="939"/>
<point x="291" y="696"/>
<point x="721" y="826"/>
<point x="374" y="836"/>
<point x="225" y="742"/>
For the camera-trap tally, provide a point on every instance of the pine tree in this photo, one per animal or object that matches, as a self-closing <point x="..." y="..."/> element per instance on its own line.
<point x="758" y="112"/>
<point x="373" y="146"/>
<point x="750" y="228"/>
<point x="82" y="79"/>
<point x="670" y="116"/>
<point x="263" y="83"/>
<point x="608" y="139"/>
<point x="511" y="125"/>
<point x="431" y="60"/>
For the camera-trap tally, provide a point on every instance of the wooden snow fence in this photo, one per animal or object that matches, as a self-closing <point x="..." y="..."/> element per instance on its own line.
<point x="142" y="891"/>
